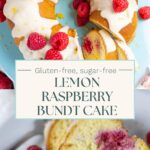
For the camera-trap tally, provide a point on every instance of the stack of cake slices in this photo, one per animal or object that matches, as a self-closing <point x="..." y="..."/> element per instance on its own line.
<point x="117" y="27"/>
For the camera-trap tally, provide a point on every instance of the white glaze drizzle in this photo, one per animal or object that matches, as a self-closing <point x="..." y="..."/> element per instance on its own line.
<point x="126" y="49"/>
<point x="26" y="17"/>
<point x="129" y="53"/>
<point x="116" y="21"/>
<point x="109" y="42"/>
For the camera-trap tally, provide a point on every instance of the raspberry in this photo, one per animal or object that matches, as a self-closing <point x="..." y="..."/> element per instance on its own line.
<point x="2" y="3"/>
<point x="83" y="9"/>
<point x="76" y="3"/>
<point x="2" y="17"/>
<point x="81" y="21"/>
<point x="115" y="140"/>
<point x="59" y="41"/>
<point x="34" y="147"/>
<point x="5" y="82"/>
<point x="148" y="138"/>
<point x="36" y="41"/>
<point x="53" y="55"/>
<point x="144" y="12"/>
<point x="87" y="45"/>
<point x="120" y="5"/>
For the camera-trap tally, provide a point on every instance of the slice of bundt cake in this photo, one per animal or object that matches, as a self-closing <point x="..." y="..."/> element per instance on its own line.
<point x="94" y="46"/>
<point x="100" y="44"/>
<point x="101" y="135"/>
<point x="55" y="133"/>
<point x="82" y="136"/>
<point x="124" y="22"/>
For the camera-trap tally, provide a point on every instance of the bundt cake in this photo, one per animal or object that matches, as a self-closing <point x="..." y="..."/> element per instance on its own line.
<point x="124" y="23"/>
<point x="33" y="24"/>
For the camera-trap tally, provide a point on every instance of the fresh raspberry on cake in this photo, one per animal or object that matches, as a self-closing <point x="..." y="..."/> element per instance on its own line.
<point x="5" y="82"/>
<point x="120" y="5"/>
<point x="2" y="17"/>
<point x="81" y="21"/>
<point x="59" y="41"/>
<point x="34" y="147"/>
<point x="83" y="9"/>
<point x="53" y="55"/>
<point x="36" y="41"/>
<point x="144" y="12"/>
<point x="2" y="3"/>
<point x="87" y="45"/>
<point x="76" y="3"/>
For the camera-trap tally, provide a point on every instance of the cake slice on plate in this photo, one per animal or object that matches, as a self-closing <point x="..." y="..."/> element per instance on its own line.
<point x="101" y="135"/>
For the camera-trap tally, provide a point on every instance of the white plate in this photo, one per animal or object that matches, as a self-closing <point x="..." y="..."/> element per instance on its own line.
<point x="16" y="132"/>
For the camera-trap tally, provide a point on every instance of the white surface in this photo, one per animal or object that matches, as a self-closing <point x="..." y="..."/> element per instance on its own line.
<point x="141" y="124"/>
<point x="35" y="140"/>
<point x="7" y="102"/>
<point x="15" y="132"/>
